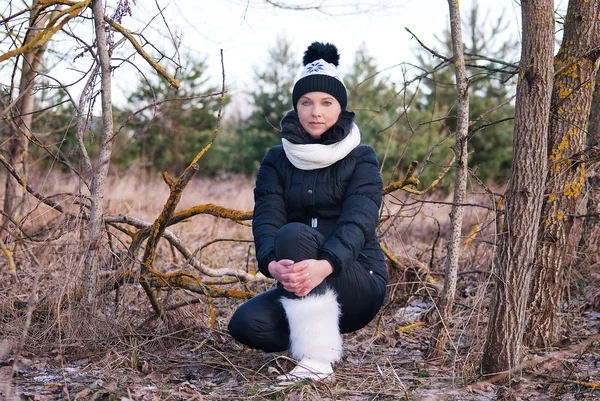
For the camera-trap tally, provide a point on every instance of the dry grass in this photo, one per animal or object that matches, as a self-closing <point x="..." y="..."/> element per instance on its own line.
<point x="180" y="357"/>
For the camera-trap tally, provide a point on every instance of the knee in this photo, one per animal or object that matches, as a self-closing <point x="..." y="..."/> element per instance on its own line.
<point x="239" y="325"/>
<point x="288" y="234"/>
<point x="258" y="331"/>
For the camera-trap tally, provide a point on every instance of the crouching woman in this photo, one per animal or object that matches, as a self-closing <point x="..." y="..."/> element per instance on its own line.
<point x="317" y="200"/>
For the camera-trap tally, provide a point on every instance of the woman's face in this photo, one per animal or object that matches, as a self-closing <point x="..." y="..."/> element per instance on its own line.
<point x="317" y="112"/>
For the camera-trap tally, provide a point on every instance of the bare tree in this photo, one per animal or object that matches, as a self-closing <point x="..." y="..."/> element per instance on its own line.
<point x="439" y="336"/>
<point x="22" y="113"/>
<point x="516" y="252"/>
<point x="96" y="224"/>
<point x="574" y="83"/>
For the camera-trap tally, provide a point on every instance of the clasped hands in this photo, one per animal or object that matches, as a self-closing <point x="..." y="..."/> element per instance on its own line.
<point x="301" y="277"/>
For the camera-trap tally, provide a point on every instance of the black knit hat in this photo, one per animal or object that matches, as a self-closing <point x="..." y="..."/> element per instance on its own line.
<point x="320" y="74"/>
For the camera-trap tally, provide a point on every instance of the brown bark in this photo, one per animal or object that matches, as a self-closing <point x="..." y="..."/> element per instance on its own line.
<point x="440" y="333"/>
<point x="93" y="255"/>
<point x="502" y="350"/>
<point x="589" y="243"/>
<point x="21" y="117"/>
<point x="574" y="82"/>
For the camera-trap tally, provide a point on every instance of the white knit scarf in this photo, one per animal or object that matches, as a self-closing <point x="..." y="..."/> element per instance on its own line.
<point x="315" y="155"/>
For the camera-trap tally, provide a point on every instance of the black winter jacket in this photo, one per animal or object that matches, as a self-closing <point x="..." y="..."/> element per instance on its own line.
<point x="345" y="198"/>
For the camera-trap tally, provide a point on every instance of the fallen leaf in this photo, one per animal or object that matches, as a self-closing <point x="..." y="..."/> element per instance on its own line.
<point x="154" y="376"/>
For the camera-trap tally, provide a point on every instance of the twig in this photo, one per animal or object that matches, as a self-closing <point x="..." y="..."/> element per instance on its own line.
<point x="32" y="191"/>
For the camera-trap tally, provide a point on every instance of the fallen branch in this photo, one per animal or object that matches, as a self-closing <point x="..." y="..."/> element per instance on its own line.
<point x="144" y="226"/>
<point x="537" y="360"/>
<point x="177" y="279"/>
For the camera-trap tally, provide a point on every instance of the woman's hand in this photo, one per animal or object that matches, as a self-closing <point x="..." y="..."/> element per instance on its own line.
<point x="279" y="267"/>
<point x="301" y="277"/>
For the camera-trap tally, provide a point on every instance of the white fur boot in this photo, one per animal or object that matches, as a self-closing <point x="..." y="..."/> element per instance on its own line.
<point x="315" y="339"/>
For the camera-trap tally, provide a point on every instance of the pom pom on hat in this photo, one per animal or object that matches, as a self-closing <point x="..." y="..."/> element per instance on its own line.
<point x="325" y="51"/>
<point x="320" y="74"/>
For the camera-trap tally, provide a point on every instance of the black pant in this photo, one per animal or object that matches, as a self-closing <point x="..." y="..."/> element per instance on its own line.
<point x="261" y="321"/>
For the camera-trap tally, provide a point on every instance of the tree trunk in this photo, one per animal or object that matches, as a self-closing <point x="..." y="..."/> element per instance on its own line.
<point x="21" y="116"/>
<point x="440" y="333"/>
<point x="516" y="251"/>
<point x="590" y="232"/>
<point x="574" y="83"/>
<point x="93" y="256"/>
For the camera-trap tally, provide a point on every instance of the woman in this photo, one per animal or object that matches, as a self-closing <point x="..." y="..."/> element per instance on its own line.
<point x="317" y="201"/>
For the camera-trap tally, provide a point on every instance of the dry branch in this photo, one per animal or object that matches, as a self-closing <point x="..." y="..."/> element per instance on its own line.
<point x="32" y="191"/>
<point x="157" y="67"/>
<point x="177" y="279"/>
<point x="155" y="232"/>
<point x="45" y="35"/>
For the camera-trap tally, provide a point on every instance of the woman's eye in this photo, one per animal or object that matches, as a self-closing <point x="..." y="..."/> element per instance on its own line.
<point x="327" y="103"/>
<point x="305" y="103"/>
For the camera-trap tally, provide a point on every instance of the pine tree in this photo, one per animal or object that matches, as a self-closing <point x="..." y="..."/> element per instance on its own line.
<point x="490" y="142"/>
<point x="249" y="138"/>
<point x="168" y="136"/>
<point x="374" y="100"/>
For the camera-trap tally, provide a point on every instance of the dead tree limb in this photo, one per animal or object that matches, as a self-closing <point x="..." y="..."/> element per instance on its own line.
<point x="175" y="191"/>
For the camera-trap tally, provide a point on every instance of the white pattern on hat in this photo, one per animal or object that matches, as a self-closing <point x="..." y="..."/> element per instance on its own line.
<point x="321" y="67"/>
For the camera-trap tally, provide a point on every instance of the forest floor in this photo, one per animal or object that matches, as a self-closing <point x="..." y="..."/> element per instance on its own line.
<point x="180" y="357"/>
<point x="181" y="365"/>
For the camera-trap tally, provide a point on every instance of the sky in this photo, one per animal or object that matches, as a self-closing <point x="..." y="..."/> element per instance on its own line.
<point x="246" y="29"/>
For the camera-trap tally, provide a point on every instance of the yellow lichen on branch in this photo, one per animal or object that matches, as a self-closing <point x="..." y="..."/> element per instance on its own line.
<point x="11" y="262"/>
<point x="591" y="385"/>
<point x="202" y="152"/>
<point x="408" y="180"/>
<point x="404" y="329"/>
<point x="179" y="279"/>
<point x="188" y="281"/>
<point x="157" y="67"/>
<point x="46" y="34"/>
<point x="213" y="210"/>
<point x="471" y="235"/>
